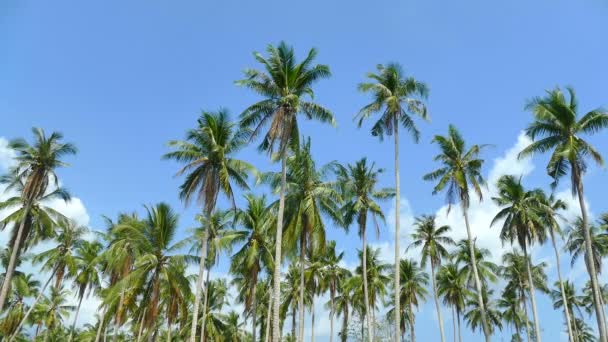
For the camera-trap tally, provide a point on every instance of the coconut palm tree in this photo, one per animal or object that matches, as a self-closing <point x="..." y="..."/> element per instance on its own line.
<point x="413" y="291"/>
<point x="473" y="315"/>
<point x="234" y="331"/>
<point x="511" y="312"/>
<point x="558" y="129"/>
<point x="459" y="174"/>
<point x="433" y="241"/>
<point x="396" y="98"/>
<point x="342" y="305"/>
<point x="208" y="152"/>
<point x="333" y="276"/>
<point x="451" y="286"/>
<point x="310" y="196"/>
<point x="522" y="222"/>
<point x="487" y="270"/>
<point x="87" y="277"/>
<point x="358" y="185"/>
<point x="55" y="309"/>
<point x="286" y="87"/>
<point x="24" y="286"/>
<point x="572" y="302"/>
<point x="575" y="243"/>
<point x="378" y="278"/>
<point x="257" y="219"/>
<point x="35" y="168"/>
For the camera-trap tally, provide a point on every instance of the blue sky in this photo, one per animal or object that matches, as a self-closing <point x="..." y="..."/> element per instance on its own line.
<point x="121" y="78"/>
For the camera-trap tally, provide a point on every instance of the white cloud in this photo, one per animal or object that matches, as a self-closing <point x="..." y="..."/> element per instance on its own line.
<point x="7" y="155"/>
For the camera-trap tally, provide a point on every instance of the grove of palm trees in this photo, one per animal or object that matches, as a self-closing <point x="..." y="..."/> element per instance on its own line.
<point x="271" y="233"/>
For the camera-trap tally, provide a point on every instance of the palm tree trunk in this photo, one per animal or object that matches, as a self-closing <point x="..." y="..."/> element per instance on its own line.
<point x="454" y="321"/>
<point x="254" y="309"/>
<point x="482" y="308"/>
<point x="301" y="298"/>
<point x="101" y="322"/>
<point x="561" y="286"/>
<point x="32" y="306"/>
<point x="293" y="321"/>
<point x="412" y="324"/>
<point x="397" y="227"/>
<point x="268" y="321"/>
<point x="141" y="325"/>
<point x="75" y="319"/>
<point x="532" y="296"/>
<point x="312" y="325"/>
<point x="276" y="331"/>
<point x="344" y="332"/>
<point x="523" y="302"/>
<point x="459" y="331"/>
<point x="199" y="283"/>
<point x="119" y="315"/>
<point x="437" y="307"/>
<point x="10" y="269"/>
<point x="168" y="329"/>
<point x="588" y="253"/>
<point x="363" y="228"/>
<point x="332" y="295"/>
<point x="203" y="335"/>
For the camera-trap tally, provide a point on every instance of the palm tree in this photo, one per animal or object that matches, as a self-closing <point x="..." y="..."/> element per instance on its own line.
<point x="333" y="276"/>
<point x="342" y="304"/>
<point x="413" y="282"/>
<point x="218" y="299"/>
<point x="358" y="184"/>
<point x="575" y="243"/>
<point x="211" y="168"/>
<point x="522" y="221"/>
<point x="572" y="301"/>
<point x="309" y="197"/>
<point x="433" y="241"/>
<point x="559" y="130"/>
<point x="396" y="98"/>
<point x="584" y="333"/>
<point x="459" y="172"/>
<point x="35" y="167"/>
<point x="257" y="220"/>
<point x="451" y="286"/>
<point x="378" y="277"/>
<point x="473" y="315"/>
<point x="234" y="331"/>
<point x="511" y="313"/>
<point x="23" y="287"/>
<point x="487" y="270"/>
<point x="285" y="86"/>
<point x="55" y="309"/>
<point x="87" y="277"/>
<point x="156" y="260"/>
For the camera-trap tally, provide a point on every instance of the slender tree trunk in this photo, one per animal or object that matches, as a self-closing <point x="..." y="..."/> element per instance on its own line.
<point x="523" y="302"/>
<point x="454" y="321"/>
<point x="255" y="312"/>
<point x="437" y="307"/>
<point x="344" y="332"/>
<point x="312" y="326"/>
<point x="119" y="315"/>
<point x="293" y="321"/>
<point x="588" y="253"/>
<point x="203" y="335"/>
<point x="412" y="324"/>
<point x="75" y="319"/>
<point x="141" y="325"/>
<point x="532" y="296"/>
<point x="397" y="228"/>
<point x="459" y="331"/>
<point x="32" y="306"/>
<point x="168" y="329"/>
<point x="301" y="298"/>
<point x="268" y="316"/>
<point x="561" y="286"/>
<point x="199" y="283"/>
<point x="10" y="269"/>
<point x="370" y="329"/>
<point x="482" y="307"/>
<point x="101" y="323"/>
<point x="332" y="295"/>
<point x="276" y="327"/>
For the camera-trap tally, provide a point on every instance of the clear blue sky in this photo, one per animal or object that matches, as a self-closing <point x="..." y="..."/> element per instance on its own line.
<point x="121" y="78"/>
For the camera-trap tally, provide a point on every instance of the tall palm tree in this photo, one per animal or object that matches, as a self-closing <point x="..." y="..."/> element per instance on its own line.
<point x="87" y="277"/>
<point x="557" y="128"/>
<point x="56" y="309"/>
<point x="24" y="286"/>
<point x="575" y="243"/>
<point x="473" y="315"/>
<point x="256" y="252"/>
<point x="35" y="168"/>
<point x="286" y="87"/>
<point x="378" y="278"/>
<point x="333" y="276"/>
<point x="208" y="152"/>
<point x="158" y="256"/>
<point x="413" y="291"/>
<point x="433" y="241"/>
<point x="310" y="196"/>
<point x="342" y="304"/>
<point x="487" y="270"/>
<point x="459" y="174"/>
<point x="522" y="222"/>
<point x="396" y="98"/>
<point x="358" y="185"/>
<point x="572" y="301"/>
<point x="511" y="313"/>
<point x="451" y="286"/>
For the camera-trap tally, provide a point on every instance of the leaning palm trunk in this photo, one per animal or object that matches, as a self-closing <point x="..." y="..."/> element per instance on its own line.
<point x="75" y="319"/>
<point x="437" y="307"/>
<point x="101" y="323"/>
<point x="599" y="311"/>
<point x="205" y="302"/>
<point x="199" y="283"/>
<point x="301" y="297"/>
<point x="10" y="269"/>
<point x="532" y="296"/>
<point x="276" y="326"/>
<point x="482" y="307"/>
<point x="561" y="286"/>
<point x="32" y="306"/>
<point x="370" y="330"/>
<point x="397" y="236"/>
